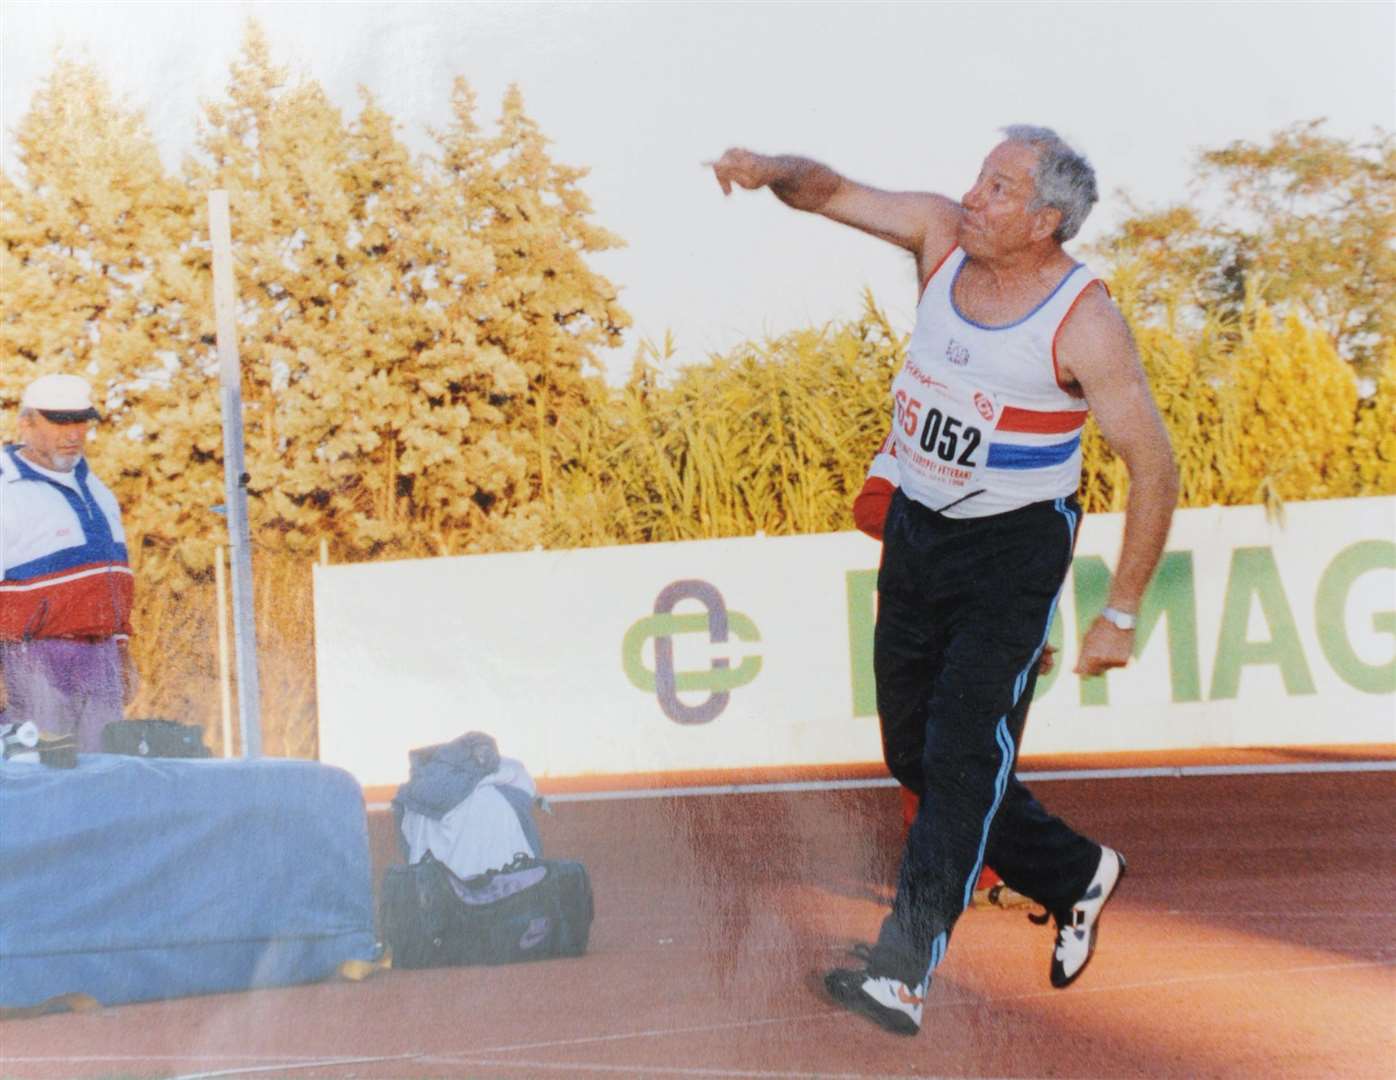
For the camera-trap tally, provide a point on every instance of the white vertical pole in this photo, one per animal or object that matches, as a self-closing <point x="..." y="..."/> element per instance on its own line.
<point x="234" y="475"/>
<point x="225" y="675"/>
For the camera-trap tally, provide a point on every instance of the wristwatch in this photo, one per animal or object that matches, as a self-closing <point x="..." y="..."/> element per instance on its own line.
<point x="1120" y="619"/>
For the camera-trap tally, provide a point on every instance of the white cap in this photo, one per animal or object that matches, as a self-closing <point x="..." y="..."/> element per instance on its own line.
<point x="64" y="399"/>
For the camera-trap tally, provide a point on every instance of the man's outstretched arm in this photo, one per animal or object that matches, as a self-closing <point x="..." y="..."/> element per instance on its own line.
<point x="922" y="223"/>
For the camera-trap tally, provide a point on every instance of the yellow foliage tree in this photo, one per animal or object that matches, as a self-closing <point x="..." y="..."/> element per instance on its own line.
<point x="1374" y="452"/>
<point x="96" y="276"/>
<point x="1289" y="412"/>
<point x="411" y="332"/>
<point x="1302" y="222"/>
<point x="544" y="313"/>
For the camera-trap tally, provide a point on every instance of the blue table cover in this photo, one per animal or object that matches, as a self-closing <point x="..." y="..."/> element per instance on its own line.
<point x="130" y="879"/>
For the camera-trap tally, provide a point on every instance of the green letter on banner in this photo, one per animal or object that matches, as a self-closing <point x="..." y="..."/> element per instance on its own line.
<point x="1331" y="607"/>
<point x="1254" y="573"/>
<point x="862" y="614"/>
<point x="1091" y="586"/>
<point x="1055" y="637"/>
<point x="1173" y="593"/>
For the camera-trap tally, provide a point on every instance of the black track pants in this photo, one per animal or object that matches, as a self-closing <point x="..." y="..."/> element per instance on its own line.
<point x="964" y="607"/>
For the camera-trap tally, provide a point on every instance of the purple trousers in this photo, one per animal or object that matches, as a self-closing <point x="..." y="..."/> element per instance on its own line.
<point x="65" y="687"/>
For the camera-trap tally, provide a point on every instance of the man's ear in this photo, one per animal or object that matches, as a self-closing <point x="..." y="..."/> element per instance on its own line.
<point x="1046" y="222"/>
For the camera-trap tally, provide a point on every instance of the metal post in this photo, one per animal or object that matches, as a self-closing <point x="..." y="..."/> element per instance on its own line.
<point x="225" y="676"/>
<point x="235" y="476"/>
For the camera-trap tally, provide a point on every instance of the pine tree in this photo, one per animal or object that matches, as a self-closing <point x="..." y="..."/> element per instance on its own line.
<point x="96" y="281"/>
<point x="541" y="319"/>
<point x="409" y="335"/>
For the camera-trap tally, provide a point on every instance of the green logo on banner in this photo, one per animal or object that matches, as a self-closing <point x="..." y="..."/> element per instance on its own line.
<point x="720" y="679"/>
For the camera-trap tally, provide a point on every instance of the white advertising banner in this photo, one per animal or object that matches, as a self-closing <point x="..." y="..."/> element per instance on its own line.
<point x="757" y="653"/>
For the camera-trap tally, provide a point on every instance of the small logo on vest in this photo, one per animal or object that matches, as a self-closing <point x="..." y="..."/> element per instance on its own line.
<point x="984" y="405"/>
<point x="956" y="353"/>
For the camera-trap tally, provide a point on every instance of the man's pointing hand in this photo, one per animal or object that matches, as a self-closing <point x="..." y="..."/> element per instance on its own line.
<point x="743" y="168"/>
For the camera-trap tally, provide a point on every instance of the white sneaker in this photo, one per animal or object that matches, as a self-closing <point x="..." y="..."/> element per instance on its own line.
<point x="1078" y="925"/>
<point x="890" y="1002"/>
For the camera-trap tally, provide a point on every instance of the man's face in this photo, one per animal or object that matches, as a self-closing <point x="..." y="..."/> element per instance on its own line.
<point x="53" y="446"/>
<point x="996" y="218"/>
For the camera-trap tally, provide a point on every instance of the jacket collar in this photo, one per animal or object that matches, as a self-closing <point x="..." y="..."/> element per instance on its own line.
<point x="13" y="467"/>
<point x="9" y="470"/>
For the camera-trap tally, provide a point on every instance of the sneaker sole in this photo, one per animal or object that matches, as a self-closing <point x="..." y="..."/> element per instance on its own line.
<point x="1063" y="983"/>
<point x="854" y="1000"/>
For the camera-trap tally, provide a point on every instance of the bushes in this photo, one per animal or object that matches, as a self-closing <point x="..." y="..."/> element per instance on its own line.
<point x="776" y="436"/>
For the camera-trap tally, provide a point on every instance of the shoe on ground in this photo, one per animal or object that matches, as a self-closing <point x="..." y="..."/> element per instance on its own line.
<point x="1078" y="925"/>
<point x="888" y="1002"/>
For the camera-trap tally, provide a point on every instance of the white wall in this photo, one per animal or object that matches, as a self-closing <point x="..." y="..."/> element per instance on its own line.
<point x="1283" y="636"/>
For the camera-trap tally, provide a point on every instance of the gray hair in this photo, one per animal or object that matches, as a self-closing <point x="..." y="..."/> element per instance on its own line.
<point x="1063" y="178"/>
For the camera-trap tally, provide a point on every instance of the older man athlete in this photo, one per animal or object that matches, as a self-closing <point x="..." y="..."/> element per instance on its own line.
<point x="65" y="588"/>
<point x="1014" y="342"/>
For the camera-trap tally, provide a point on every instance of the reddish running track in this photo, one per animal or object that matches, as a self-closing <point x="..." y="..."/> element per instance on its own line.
<point x="1252" y="938"/>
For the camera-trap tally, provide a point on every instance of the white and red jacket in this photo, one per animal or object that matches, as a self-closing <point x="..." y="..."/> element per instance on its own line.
<point x="981" y="422"/>
<point x="63" y="569"/>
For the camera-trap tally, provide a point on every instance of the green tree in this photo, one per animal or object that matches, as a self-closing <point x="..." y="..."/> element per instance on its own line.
<point x="1304" y="222"/>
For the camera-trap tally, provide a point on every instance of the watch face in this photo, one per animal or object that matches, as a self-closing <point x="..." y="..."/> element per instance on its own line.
<point x="1119" y="619"/>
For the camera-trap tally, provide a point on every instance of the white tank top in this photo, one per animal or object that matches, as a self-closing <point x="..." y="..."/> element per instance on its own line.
<point x="980" y="423"/>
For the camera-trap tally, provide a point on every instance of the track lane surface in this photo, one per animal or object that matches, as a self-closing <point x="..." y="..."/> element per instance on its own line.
<point x="1254" y="936"/>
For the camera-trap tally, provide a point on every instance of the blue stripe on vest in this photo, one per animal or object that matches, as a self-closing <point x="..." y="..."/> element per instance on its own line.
<point x="67" y="559"/>
<point x="1012" y="456"/>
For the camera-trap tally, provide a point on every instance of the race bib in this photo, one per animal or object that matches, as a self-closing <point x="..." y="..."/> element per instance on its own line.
<point x="943" y="427"/>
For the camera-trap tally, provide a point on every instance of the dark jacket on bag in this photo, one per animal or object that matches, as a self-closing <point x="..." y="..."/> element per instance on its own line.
<point x="442" y="777"/>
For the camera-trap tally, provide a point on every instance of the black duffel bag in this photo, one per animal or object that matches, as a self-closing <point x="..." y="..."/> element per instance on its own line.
<point x="154" y="738"/>
<point x="533" y="909"/>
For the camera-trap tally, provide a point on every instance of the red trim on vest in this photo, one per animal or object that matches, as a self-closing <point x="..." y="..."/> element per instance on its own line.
<point x="935" y="270"/>
<point x="1041" y="423"/>
<point x="1056" y="370"/>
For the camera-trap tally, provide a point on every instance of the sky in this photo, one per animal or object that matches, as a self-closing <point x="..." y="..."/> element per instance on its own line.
<point x="900" y="95"/>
